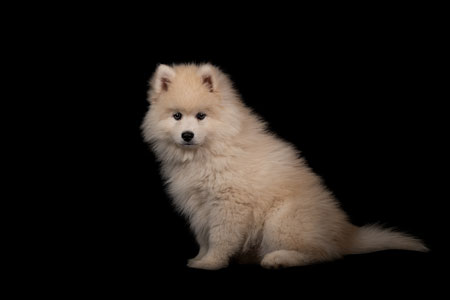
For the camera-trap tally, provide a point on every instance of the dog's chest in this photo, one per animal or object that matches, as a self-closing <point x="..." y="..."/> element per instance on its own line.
<point x="193" y="185"/>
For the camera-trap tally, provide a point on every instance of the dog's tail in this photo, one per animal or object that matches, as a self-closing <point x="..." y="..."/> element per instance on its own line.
<point x="373" y="238"/>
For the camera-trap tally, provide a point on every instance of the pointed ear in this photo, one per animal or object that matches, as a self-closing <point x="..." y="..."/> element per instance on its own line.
<point x="162" y="78"/>
<point x="208" y="74"/>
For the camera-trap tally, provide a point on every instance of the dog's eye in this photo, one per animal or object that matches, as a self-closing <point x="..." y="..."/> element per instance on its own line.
<point x="201" y="116"/>
<point x="177" y="116"/>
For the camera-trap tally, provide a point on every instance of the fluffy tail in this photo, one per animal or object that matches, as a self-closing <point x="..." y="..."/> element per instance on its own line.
<point x="373" y="238"/>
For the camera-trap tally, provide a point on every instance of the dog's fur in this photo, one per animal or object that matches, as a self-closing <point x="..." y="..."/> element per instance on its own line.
<point x="246" y="193"/>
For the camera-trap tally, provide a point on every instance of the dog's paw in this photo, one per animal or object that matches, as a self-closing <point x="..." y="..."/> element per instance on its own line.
<point x="283" y="259"/>
<point x="271" y="261"/>
<point x="192" y="260"/>
<point x="206" y="264"/>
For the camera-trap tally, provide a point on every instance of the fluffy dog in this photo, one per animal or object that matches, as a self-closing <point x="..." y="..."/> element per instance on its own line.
<point x="246" y="193"/>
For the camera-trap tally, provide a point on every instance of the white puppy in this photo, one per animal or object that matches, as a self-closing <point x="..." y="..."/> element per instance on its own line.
<point x="246" y="193"/>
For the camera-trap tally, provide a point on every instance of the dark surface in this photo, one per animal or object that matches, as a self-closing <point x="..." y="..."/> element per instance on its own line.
<point x="360" y="101"/>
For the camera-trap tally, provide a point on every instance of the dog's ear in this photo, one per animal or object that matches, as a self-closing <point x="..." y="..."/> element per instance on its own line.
<point x="208" y="74"/>
<point x="162" y="78"/>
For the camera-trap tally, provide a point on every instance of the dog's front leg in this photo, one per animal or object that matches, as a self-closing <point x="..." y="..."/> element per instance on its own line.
<point x="202" y="241"/>
<point x="229" y="223"/>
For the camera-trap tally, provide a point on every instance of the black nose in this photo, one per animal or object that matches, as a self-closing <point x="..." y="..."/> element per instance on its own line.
<point x="187" y="135"/>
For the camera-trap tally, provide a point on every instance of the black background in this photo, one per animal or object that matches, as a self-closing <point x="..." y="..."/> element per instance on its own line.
<point x="359" y="95"/>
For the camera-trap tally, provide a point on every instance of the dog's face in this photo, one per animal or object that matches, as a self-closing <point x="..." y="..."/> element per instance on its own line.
<point x="186" y="106"/>
<point x="187" y="128"/>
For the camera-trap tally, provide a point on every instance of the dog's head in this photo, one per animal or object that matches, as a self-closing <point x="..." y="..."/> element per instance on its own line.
<point x="191" y="105"/>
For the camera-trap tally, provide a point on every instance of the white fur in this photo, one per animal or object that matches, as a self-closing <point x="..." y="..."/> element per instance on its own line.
<point x="246" y="193"/>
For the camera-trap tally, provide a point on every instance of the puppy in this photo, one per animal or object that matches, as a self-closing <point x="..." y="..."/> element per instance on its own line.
<point x="246" y="193"/>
